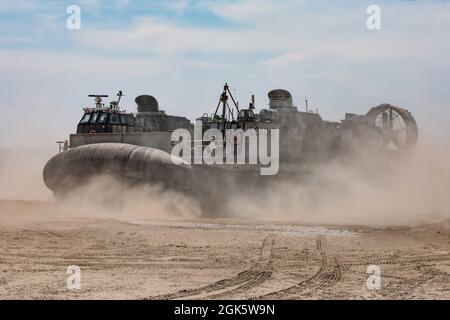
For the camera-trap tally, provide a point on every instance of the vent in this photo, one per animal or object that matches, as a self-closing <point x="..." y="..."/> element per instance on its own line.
<point x="146" y="103"/>
<point x="280" y="98"/>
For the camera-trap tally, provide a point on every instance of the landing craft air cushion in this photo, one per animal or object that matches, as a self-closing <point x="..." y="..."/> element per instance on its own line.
<point x="137" y="147"/>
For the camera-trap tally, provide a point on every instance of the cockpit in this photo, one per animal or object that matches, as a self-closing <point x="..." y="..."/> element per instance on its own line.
<point x="106" y="122"/>
<point x="110" y="119"/>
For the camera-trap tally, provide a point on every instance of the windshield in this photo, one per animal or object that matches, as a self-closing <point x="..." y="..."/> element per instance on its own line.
<point x="94" y="117"/>
<point x="85" y="118"/>
<point x="114" y="118"/>
<point x="102" y="117"/>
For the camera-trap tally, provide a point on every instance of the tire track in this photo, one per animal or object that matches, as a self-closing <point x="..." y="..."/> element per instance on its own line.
<point x="403" y="287"/>
<point x="328" y="275"/>
<point x="406" y="288"/>
<point x="254" y="282"/>
<point x="242" y="282"/>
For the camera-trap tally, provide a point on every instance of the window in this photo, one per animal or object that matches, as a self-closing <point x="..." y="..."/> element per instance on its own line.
<point x="94" y="117"/>
<point x="102" y="118"/>
<point x="114" y="118"/>
<point x="85" y="118"/>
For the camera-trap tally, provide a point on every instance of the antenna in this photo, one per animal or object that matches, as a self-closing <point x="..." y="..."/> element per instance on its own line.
<point x="98" y="99"/>
<point x="252" y="103"/>
<point x="306" y="101"/>
<point x="120" y="95"/>
<point x="223" y="99"/>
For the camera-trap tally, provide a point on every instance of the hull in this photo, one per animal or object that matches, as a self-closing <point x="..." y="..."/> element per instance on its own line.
<point x="135" y="164"/>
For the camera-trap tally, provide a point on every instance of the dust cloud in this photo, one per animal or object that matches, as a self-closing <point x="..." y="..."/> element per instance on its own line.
<point x="105" y="197"/>
<point x="21" y="174"/>
<point x="22" y="186"/>
<point x="368" y="191"/>
<point x="412" y="190"/>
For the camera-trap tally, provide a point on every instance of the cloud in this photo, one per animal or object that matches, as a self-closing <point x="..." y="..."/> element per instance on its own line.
<point x="177" y="5"/>
<point x="315" y="49"/>
<point x="121" y="4"/>
<point x="60" y="64"/>
<point x="250" y="11"/>
<point x="19" y="5"/>
<point x="151" y="35"/>
<point x="280" y="29"/>
<point x="91" y="4"/>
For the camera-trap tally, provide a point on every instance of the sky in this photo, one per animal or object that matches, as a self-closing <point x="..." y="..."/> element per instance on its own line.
<point x="183" y="51"/>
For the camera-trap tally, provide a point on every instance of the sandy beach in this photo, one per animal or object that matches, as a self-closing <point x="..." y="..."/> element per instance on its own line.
<point x="214" y="258"/>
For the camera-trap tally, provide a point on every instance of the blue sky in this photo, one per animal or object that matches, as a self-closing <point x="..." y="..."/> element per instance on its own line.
<point x="183" y="51"/>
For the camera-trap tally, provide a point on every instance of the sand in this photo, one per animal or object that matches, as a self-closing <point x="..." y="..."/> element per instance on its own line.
<point x="213" y="258"/>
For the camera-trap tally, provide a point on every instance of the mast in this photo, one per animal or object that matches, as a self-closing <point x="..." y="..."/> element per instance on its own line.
<point x="223" y="99"/>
